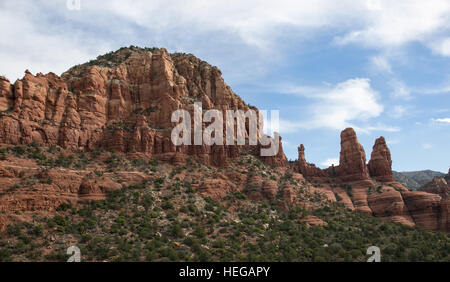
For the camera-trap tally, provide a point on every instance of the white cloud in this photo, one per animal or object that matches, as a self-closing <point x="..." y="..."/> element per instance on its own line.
<point x="392" y="142"/>
<point x="45" y="35"/>
<point x="442" y="120"/>
<point x="441" y="46"/>
<point x="427" y="146"/>
<point x="375" y="23"/>
<point x="381" y="64"/>
<point x="330" y="162"/>
<point x="398" y="111"/>
<point x="444" y="89"/>
<point x="377" y="127"/>
<point x="400" y="90"/>
<point x="340" y="106"/>
<point x="287" y="126"/>
<point x="396" y="23"/>
<point x="30" y="44"/>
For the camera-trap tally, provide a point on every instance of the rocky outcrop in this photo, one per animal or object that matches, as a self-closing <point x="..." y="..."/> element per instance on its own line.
<point x="216" y="189"/>
<point x="380" y="164"/>
<point x="308" y="170"/>
<point x="53" y="188"/>
<point x="312" y="220"/>
<point x="6" y="95"/>
<point x="279" y="160"/>
<point x="427" y="210"/>
<point x="439" y="185"/>
<point x="352" y="162"/>
<point x="4" y="222"/>
<point x="390" y="206"/>
<point x="123" y="101"/>
<point x="270" y="189"/>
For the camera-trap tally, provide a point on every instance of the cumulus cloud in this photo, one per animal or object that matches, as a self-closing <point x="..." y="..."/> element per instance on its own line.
<point x="395" y="23"/>
<point x="44" y="35"/>
<point x="441" y="46"/>
<point x="30" y="43"/>
<point x="344" y="105"/>
<point x="378" y="23"/>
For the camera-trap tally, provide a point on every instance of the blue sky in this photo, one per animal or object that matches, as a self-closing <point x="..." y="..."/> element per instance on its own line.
<point x="382" y="67"/>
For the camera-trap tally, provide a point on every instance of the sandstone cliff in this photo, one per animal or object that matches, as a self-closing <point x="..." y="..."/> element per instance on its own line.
<point x="352" y="161"/>
<point x="380" y="164"/>
<point x="123" y="101"/>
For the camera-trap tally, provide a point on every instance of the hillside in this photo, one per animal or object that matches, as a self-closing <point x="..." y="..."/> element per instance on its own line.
<point x="165" y="217"/>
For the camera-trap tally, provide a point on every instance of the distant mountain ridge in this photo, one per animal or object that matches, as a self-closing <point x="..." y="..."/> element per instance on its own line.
<point x="416" y="179"/>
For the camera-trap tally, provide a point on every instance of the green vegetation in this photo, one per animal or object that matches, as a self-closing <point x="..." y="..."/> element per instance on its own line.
<point x="135" y="224"/>
<point x="164" y="218"/>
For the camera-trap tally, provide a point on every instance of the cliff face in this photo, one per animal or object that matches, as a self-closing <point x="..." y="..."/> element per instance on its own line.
<point x="352" y="161"/>
<point x="380" y="164"/>
<point x="123" y="101"/>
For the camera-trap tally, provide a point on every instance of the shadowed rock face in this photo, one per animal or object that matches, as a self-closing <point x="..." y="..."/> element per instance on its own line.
<point x="380" y="164"/>
<point x="352" y="162"/>
<point x="438" y="185"/>
<point x="123" y="101"/>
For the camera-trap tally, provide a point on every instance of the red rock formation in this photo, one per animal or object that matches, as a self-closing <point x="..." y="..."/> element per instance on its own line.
<point x="4" y="222"/>
<point x="389" y="205"/>
<point x="279" y="160"/>
<point x="289" y="195"/>
<point x="123" y="101"/>
<point x="308" y="170"/>
<point x="216" y="189"/>
<point x="311" y="220"/>
<point x="270" y="189"/>
<point x="352" y="162"/>
<point x="6" y="94"/>
<point x="254" y="188"/>
<point x="380" y="164"/>
<point x="438" y="185"/>
<point x="427" y="210"/>
<point x="64" y="187"/>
